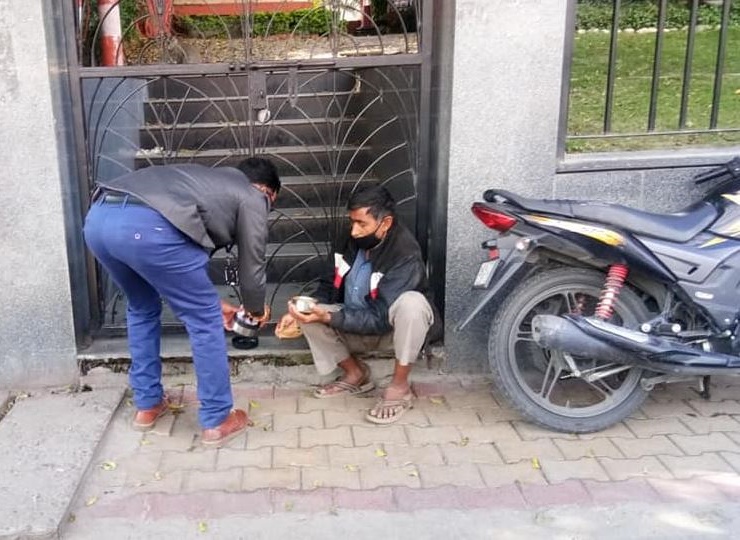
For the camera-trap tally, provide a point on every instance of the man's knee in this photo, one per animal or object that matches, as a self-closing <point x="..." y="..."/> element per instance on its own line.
<point x="411" y="307"/>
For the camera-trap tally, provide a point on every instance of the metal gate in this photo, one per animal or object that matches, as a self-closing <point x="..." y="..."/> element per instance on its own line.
<point x="335" y="94"/>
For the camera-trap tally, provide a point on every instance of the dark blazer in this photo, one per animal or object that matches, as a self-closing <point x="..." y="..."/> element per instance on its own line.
<point x="216" y="208"/>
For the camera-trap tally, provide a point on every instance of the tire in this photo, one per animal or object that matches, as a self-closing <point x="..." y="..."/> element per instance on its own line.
<point x="516" y="361"/>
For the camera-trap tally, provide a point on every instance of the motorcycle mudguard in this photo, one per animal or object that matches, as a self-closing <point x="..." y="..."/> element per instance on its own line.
<point x="510" y="266"/>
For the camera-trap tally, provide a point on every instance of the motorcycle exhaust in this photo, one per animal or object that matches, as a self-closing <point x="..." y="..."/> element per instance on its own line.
<point x="594" y="338"/>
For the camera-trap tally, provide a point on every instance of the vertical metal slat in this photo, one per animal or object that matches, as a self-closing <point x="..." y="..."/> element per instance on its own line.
<point x="655" y="85"/>
<point x="688" y="61"/>
<point x="720" y="63"/>
<point x="611" y="69"/>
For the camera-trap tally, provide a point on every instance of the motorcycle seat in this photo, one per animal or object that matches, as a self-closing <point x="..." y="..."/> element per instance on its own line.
<point x="681" y="226"/>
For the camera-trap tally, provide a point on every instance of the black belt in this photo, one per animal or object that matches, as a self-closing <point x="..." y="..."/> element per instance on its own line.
<point x="120" y="199"/>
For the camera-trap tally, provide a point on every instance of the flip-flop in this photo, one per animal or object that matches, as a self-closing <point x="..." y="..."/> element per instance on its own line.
<point x="345" y="388"/>
<point x="399" y="406"/>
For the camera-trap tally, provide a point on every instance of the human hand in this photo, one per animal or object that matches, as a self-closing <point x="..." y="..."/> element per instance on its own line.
<point x="264" y="318"/>
<point x="316" y="314"/>
<point x="228" y="313"/>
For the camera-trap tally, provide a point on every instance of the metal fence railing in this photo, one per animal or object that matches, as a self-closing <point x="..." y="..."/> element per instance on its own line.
<point x="652" y="73"/>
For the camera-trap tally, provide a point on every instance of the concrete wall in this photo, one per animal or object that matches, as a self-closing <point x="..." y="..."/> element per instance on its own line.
<point x="506" y="103"/>
<point x="504" y="123"/>
<point x="37" y="344"/>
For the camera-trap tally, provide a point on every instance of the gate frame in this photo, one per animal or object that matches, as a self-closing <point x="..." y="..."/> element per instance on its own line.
<point x="86" y="304"/>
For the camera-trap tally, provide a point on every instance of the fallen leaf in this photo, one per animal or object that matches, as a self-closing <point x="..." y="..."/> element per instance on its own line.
<point x="464" y="441"/>
<point x="737" y="92"/>
<point x="536" y="463"/>
<point x="350" y="468"/>
<point x="202" y="526"/>
<point x="288" y="506"/>
<point x="176" y="407"/>
<point x="158" y="475"/>
<point x="72" y="518"/>
<point x="254" y="404"/>
<point x="91" y="501"/>
<point x="267" y="427"/>
<point x="145" y="442"/>
<point x="414" y="473"/>
<point x="380" y="452"/>
<point x="436" y="400"/>
<point x="109" y="466"/>
<point x="129" y="402"/>
<point x="317" y="483"/>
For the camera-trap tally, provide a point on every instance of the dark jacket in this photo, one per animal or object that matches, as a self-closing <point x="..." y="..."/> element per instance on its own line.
<point x="216" y="208"/>
<point x="397" y="267"/>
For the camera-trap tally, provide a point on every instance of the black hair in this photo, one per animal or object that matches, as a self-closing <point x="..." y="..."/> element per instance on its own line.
<point x="376" y="199"/>
<point x="260" y="171"/>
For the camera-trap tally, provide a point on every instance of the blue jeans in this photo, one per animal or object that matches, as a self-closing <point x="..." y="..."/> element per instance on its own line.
<point x="149" y="259"/>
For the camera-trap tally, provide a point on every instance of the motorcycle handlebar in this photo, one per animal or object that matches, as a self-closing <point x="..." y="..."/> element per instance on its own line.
<point x="731" y="168"/>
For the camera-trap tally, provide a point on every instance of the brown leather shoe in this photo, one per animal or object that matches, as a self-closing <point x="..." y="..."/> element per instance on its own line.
<point x="145" y="419"/>
<point x="234" y="425"/>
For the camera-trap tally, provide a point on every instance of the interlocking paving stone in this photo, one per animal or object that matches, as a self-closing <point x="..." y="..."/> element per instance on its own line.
<point x="287" y="421"/>
<point x="419" y="436"/>
<point x="380" y="499"/>
<point x="335" y="477"/>
<point x="513" y="451"/>
<point x="401" y="455"/>
<point x="466" y="475"/>
<point x="574" y="449"/>
<point x="667" y="409"/>
<point x="203" y="460"/>
<point x="491" y="433"/>
<point x="367" y="435"/>
<point x="301" y="502"/>
<point x="707" y="424"/>
<point x="461" y="418"/>
<point x="572" y="492"/>
<point x="694" y="445"/>
<point x="617" y="430"/>
<point x="229" y="480"/>
<point x="629" y="491"/>
<point x="341" y="436"/>
<point x="171" y="482"/>
<point x="530" y="432"/>
<point x="623" y="469"/>
<point x="259" y="438"/>
<point x="709" y="408"/>
<point x="259" y="457"/>
<point x="254" y="478"/>
<point x="492" y="415"/>
<point x="372" y="477"/>
<point x="653" y="446"/>
<point x="497" y="497"/>
<point x="309" y="404"/>
<point x="339" y="456"/>
<point x="733" y="458"/>
<point x="520" y="473"/>
<point x="300" y="457"/>
<point x="557" y="472"/>
<point x="657" y="426"/>
<point x="456" y="454"/>
<point x="690" y="466"/>
<point x="412" y="500"/>
<point x="348" y="417"/>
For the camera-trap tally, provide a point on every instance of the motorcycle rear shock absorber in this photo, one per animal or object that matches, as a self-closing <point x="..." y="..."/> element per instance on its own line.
<point x="609" y="294"/>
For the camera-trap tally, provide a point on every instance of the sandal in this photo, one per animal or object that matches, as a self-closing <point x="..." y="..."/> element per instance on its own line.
<point x="346" y="388"/>
<point x="397" y="406"/>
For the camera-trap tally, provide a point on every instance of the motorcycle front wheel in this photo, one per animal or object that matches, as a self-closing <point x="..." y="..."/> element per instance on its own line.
<point x="542" y="384"/>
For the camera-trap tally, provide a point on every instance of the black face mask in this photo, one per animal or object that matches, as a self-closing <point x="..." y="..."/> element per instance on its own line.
<point x="368" y="241"/>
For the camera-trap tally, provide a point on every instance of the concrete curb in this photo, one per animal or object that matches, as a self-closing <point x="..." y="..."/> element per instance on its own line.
<point x="50" y="440"/>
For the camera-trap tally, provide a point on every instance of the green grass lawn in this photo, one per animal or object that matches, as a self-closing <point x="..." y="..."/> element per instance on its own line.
<point x="632" y="90"/>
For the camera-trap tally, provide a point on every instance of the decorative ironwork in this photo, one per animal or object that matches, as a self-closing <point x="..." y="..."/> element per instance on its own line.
<point x="240" y="32"/>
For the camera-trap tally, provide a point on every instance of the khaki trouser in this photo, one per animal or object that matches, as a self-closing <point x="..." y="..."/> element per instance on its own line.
<point x="410" y="315"/>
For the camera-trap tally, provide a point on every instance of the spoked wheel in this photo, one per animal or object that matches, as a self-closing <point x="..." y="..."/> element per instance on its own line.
<point x="551" y="388"/>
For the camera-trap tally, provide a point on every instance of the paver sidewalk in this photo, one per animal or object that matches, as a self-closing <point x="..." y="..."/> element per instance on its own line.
<point x="457" y="449"/>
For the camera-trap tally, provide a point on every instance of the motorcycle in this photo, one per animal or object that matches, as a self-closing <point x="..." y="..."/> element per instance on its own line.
<point x="596" y="304"/>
